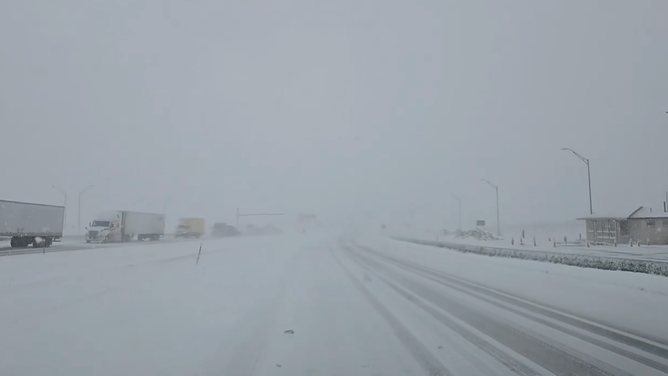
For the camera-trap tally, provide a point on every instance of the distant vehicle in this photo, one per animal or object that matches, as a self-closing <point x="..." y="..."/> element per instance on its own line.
<point x="190" y="228"/>
<point x="224" y="230"/>
<point x="31" y="224"/>
<point x="125" y="226"/>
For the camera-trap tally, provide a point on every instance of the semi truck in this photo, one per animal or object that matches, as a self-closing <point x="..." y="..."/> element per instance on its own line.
<point x="190" y="228"/>
<point x="28" y="223"/>
<point x="125" y="226"/>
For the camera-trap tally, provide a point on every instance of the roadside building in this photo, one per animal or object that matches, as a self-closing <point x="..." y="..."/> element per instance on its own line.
<point x="642" y="224"/>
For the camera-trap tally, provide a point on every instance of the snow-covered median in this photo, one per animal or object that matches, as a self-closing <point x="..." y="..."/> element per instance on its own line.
<point x="585" y="261"/>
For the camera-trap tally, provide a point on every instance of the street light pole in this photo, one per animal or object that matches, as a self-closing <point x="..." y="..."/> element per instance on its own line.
<point x="498" y="220"/>
<point x="164" y="205"/>
<point x="64" y="192"/>
<point x="460" y="210"/>
<point x="79" y="216"/>
<point x="586" y="161"/>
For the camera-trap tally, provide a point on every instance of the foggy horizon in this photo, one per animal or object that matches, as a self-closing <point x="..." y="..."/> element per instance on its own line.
<point x="349" y="110"/>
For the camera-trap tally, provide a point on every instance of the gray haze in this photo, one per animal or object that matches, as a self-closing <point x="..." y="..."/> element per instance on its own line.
<point x="344" y="108"/>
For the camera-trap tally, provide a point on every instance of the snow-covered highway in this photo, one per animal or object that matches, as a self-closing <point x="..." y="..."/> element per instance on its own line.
<point x="323" y="304"/>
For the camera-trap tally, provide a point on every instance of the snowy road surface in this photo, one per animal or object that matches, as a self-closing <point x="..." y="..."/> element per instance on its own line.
<point x="321" y="304"/>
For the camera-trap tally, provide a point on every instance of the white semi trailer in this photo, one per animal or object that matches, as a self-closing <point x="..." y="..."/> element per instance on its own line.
<point x="125" y="226"/>
<point x="31" y="224"/>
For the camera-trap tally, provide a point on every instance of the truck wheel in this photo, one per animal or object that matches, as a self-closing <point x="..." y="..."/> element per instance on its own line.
<point x="14" y="242"/>
<point x="87" y="241"/>
<point x="127" y="238"/>
<point x="48" y="241"/>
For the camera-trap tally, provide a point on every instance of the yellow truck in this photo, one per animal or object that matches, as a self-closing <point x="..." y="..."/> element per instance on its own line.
<point x="190" y="228"/>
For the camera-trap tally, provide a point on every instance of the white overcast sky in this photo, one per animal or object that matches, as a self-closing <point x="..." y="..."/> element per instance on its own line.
<point x="339" y="107"/>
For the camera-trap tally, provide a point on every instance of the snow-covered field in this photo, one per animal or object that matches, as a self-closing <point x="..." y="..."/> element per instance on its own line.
<point x="322" y="304"/>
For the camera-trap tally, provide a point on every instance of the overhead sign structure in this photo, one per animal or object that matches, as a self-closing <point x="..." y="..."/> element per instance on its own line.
<point x="480" y="223"/>
<point x="239" y="215"/>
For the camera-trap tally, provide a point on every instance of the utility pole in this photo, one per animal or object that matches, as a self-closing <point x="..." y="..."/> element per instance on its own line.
<point x="498" y="220"/>
<point x="586" y="161"/>
<point x="164" y="205"/>
<point x="79" y="216"/>
<point x="64" y="192"/>
<point x="460" y="210"/>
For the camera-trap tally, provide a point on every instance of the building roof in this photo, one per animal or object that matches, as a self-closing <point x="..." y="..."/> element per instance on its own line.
<point x="645" y="212"/>
<point x="639" y="213"/>
<point x="603" y="216"/>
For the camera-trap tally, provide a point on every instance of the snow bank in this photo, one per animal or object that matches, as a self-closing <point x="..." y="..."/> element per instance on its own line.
<point x="476" y="234"/>
<point x="584" y="261"/>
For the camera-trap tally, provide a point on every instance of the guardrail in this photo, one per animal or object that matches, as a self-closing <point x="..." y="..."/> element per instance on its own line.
<point x="584" y="261"/>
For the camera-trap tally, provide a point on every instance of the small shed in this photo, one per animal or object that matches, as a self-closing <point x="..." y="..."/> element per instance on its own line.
<point x="643" y="224"/>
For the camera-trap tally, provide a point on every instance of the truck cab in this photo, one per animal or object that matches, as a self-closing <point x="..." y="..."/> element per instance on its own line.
<point x="106" y="227"/>
<point x="182" y="230"/>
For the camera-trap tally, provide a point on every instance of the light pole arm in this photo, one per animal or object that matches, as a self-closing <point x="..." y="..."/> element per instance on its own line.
<point x="583" y="159"/>
<point x="490" y="183"/>
<point x="498" y="217"/>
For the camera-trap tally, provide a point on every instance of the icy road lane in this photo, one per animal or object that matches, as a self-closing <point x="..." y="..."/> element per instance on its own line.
<point x="323" y="305"/>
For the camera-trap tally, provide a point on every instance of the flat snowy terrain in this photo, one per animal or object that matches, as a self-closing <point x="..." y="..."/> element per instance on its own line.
<point x="322" y="304"/>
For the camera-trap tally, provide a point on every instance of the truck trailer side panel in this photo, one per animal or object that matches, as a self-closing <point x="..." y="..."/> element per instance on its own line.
<point x="28" y="219"/>
<point x="29" y="223"/>
<point x="144" y="225"/>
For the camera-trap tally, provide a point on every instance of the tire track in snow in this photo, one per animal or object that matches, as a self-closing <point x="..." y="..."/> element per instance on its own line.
<point x="421" y="354"/>
<point x="517" y="305"/>
<point x="595" y="330"/>
<point x="485" y="346"/>
<point x="653" y="346"/>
